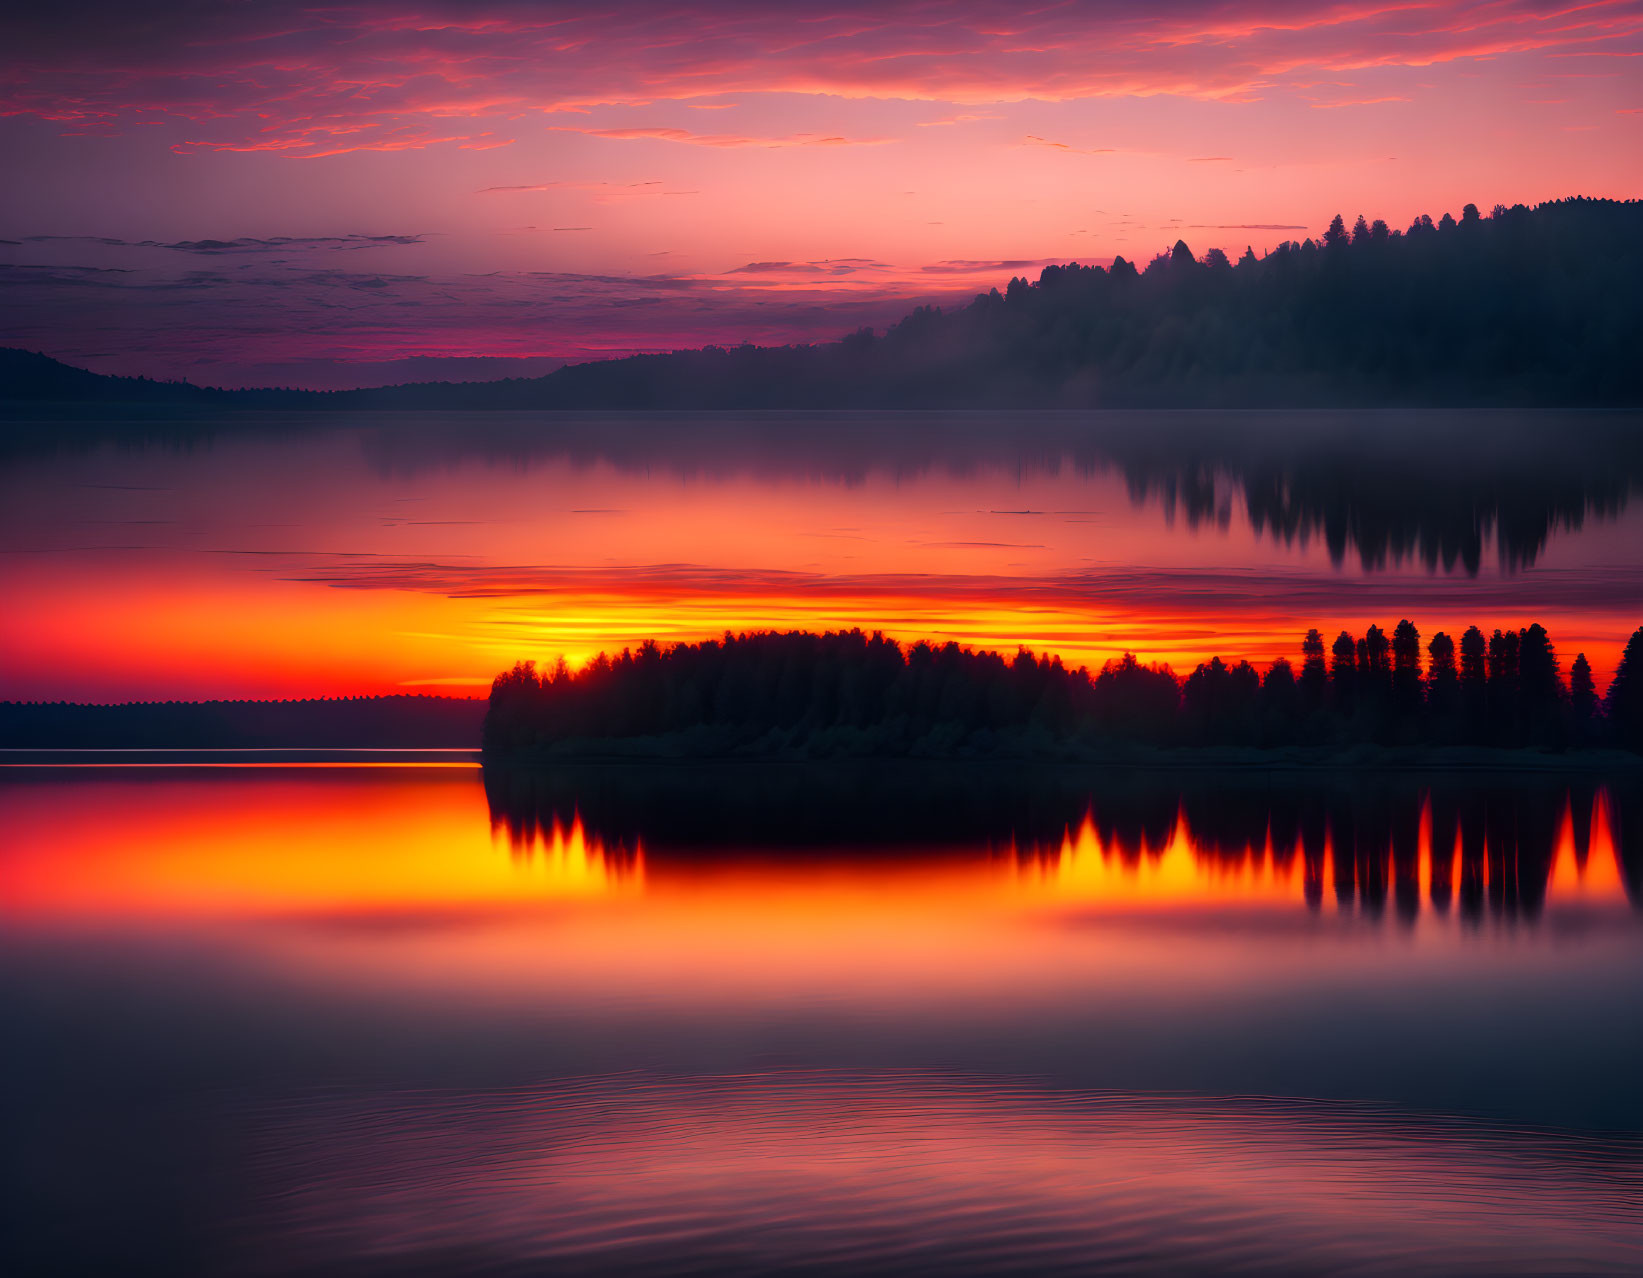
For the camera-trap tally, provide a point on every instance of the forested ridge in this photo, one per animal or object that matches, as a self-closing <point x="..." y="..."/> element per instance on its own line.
<point x="397" y="721"/>
<point x="1519" y="306"/>
<point x="849" y="693"/>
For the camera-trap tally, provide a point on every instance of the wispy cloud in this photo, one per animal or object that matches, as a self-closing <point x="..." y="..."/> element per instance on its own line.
<point x="688" y="138"/>
<point x="315" y="78"/>
<point x="597" y="187"/>
<point x="1357" y="102"/>
<point x="1032" y="139"/>
<point x="967" y="267"/>
<point x="825" y="267"/>
<point x="964" y="117"/>
<point x="241" y="244"/>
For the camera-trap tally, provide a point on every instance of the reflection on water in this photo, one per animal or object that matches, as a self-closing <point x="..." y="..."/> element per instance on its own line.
<point x="571" y="863"/>
<point x="1478" y="845"/>
<point x="1439" y="488"/>
<point x="370" y="1021"/>
<point x="1504" y="848"/>
<point x="295" y="556"/>
<point x="906" y="1172"/>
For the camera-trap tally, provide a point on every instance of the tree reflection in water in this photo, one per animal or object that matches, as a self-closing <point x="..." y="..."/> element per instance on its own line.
<point x="1483" y="846"/>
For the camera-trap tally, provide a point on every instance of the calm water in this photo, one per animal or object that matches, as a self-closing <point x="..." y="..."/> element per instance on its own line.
<point x="313" y="555"/>
<point x="363" y="1020"/>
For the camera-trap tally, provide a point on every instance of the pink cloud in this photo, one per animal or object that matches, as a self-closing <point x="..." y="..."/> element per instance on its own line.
<point x="1032" y="139"/>
<point x="688" y="138"/>
<point x="602" y="192"/>
<point x="324" y="78"/>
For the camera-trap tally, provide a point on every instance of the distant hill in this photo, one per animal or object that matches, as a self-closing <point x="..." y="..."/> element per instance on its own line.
<point x="393" y="722"/>
<point x="28" y="375"/>
<point x="1524" y="306"/>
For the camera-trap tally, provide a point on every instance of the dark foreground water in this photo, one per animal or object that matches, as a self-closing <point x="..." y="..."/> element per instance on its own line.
<point x="363" y="1020"/>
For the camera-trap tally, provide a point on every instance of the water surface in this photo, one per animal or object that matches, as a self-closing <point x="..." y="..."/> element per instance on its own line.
<point x="315" y="554"/>
<point x="409" y="1019"/>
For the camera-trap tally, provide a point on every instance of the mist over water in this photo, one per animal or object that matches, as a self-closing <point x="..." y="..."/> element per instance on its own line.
<point x="1440" y="488"/>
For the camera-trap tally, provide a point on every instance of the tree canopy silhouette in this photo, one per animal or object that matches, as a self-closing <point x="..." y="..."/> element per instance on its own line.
<point x="854" y="694"/>
<point x="1539" y="305"/>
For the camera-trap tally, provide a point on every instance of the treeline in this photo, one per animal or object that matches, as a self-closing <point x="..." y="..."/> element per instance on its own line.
<point x="852" y="694"/>
<point x="406" y="721"/>
<point x="1520" y="306"/>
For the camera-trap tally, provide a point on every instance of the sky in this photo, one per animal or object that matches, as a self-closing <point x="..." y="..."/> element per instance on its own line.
<point x="327" y="194"/>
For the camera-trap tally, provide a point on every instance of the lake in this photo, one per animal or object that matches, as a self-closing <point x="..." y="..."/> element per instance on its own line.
<point x="341" y="1016"/>
<point x="743" y="1018"/>
<point x="303" y="555"/>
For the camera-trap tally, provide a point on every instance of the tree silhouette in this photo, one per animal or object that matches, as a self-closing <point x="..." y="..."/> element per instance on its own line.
<point x="1443" y="687"/>
<point x="1540" y="686"/>
<point x="1583" y="702"/>
<point x="1375" y="672"/>
<point x="1314" y="681"/>
<point x="1624" y="704"/>
<point x="1407" y="687"/>
<point x="1536" y="306"/>
<point x="849" y="693"/>
<point x="1281" y="705"/>
<point x="1474" y="682"/>
<point x="1343" y="674"/>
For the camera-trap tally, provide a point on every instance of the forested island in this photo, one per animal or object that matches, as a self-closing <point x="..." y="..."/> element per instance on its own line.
<point x="851" y="694"/>
<point x="1520" y="306"/>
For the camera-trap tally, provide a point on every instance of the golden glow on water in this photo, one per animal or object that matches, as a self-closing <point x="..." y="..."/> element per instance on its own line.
<point x="402" y="883"/>
<point x="570" y="863"/>
<point x="276" y="841"/>
<point x="229" y="848"/>
<point x="1176" y="875"/>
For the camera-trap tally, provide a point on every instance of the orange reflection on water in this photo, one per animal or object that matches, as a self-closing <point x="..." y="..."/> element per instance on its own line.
<point x="291" y="860"/>
<point x="1183" y="871"/>
<point x="262" y="840"/>
<point x="1173" y="876"/>
<point x="574" y="863"/>
<point x="277" y="568"/>
<point x="280" y="841"/>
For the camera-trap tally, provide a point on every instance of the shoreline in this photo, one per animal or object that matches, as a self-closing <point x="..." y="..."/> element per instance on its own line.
<point x="1462" y="759"/>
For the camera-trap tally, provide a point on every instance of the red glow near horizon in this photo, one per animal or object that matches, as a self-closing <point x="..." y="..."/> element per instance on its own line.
<point x="280" y="568"/>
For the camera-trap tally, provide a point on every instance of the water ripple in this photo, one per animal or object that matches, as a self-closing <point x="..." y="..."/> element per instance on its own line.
<point x="911" y="1172"/>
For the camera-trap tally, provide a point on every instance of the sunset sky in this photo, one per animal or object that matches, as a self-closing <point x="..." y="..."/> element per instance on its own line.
<point x="342" y="194"/>
<point x="347" y="194"/>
